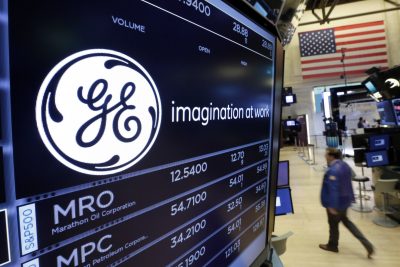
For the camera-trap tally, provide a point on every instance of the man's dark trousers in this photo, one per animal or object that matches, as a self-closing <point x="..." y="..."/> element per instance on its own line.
<point x="334" y="221"/>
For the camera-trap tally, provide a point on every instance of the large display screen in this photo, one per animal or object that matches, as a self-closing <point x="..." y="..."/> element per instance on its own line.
<point x="141" y="133"/>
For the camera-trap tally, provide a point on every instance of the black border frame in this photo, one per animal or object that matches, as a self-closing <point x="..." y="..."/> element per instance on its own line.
<point x="247" y="10"/>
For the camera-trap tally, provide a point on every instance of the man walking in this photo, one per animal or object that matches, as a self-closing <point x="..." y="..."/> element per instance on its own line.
<point x="337" y="196"/>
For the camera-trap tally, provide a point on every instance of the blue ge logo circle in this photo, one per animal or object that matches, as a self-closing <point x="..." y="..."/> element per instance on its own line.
<point x="98" y="112"/>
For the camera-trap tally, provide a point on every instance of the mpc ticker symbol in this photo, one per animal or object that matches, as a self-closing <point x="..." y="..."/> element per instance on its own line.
<point x="98" y="112"/>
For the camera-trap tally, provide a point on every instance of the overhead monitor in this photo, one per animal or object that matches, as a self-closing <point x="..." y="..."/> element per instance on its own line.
<point x="284" y="203"/>
<point x="283" y="173"/>
<point x="142" y="132"/>
<point x="386" y="113"/>
<point x="370" y="86"/>
<point x="379" y="142"/>
<point x="377" y="158"/>
<point x="290" y="99"/>
<point x="269" y="9"/>
<point x="384" y="85"/>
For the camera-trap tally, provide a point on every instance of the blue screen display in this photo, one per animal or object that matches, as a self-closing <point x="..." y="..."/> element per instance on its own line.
<point x="283" y="173"/>
<point x="377" y="158"/>
<point x="371" y="87"/>
<point x="396" y="109"/>
<point x="283" y="201"/>
<point x="386" y="113"/>
<point x="379" y="142"/>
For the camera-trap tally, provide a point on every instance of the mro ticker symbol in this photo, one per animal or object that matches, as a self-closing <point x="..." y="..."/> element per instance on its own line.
<point x="89" y="203"/>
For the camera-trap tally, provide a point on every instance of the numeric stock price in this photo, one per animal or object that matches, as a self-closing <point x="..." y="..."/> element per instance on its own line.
<point x="260" y="205"/>
<point x="186" y="172"/>
<point x="233" y="248"/>
<point x="259" y="224"/>
<point x="235" y="226"/>
<point x="237" y="203"/>
<point x="188" y="233"/>
<point x="188" y="203"/>
<point x="261" y="187"/>
<point x="262" y="168"/>
<point x="198" y="6"/>
<point x="192" y="258"/>
<point x="237" y="180"/>
<point x="263" y="149"/>
<point x="238" y="156"/>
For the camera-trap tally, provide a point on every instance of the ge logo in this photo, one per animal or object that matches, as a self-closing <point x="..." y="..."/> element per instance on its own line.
<point x="98" y="112"/>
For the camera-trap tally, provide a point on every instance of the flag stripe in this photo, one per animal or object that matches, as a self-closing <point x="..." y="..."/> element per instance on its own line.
<point x="381" y="42"/>
<point x="359" y="25"/>
<point x="359" y="33"/>
<point x="340" y="32"/>
<point x="332" y="74"/>
<point x="340" y="69"/>
<point x="361" y="48"/>
<point x="340" y="57"/>
<point x="338" y="62"/>
<point x="362" y="65"/>
<point x="338" y="72"/>
<point x="361" y="41"/>
<point x="347" y="54"/>
<point x="354" y="38"/>
<point x="346" y="65"/>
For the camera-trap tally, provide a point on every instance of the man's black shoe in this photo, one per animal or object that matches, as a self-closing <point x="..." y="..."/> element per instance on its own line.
<point x="328" y="248"/>
<point x="371" y="252"/>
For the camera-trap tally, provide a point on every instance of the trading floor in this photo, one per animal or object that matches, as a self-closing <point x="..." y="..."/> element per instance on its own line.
<point x="310" y="227"/>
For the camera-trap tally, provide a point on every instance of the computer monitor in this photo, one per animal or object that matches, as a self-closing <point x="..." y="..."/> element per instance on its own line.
<point x="284" y="203"/>
<point x="385" y="110"/>
<point x="290" y="123"/>
<point x="377" y="158"/>
<point x="289" y="99"/>
<point x="283" y="173"/>
<point x="395" y="141"/>
<point x="370" y="86"/>
<point x="359" y="140"/>
<point x="396" y="109"/>
<point x="359" y="156"/>
<point x="379" y="142"/>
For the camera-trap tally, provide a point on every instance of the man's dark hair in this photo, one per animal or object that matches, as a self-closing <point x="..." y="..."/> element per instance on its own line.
<point x="334" y="152"/>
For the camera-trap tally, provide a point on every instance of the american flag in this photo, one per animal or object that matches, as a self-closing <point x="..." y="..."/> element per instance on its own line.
<point x="360" y="47"/>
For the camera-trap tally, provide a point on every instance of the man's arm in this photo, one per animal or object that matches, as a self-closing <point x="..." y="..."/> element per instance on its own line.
<point x="333" y="181"/>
